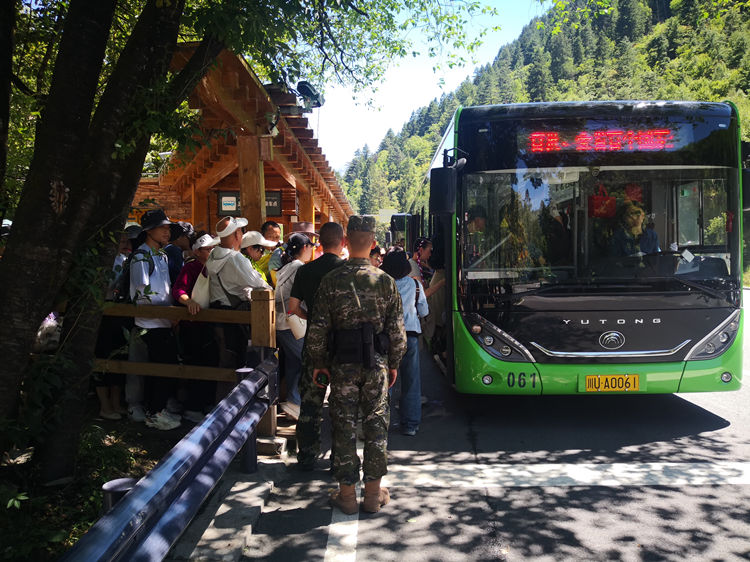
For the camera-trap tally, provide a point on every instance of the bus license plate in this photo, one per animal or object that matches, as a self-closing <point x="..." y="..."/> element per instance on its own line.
<point x="612" y="383"/>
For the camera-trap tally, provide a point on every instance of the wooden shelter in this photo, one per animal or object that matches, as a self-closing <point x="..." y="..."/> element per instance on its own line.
<point x="261" y="160"/>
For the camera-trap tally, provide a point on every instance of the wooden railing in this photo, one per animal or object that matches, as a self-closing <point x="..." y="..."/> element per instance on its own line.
<point x="261" y="317"/>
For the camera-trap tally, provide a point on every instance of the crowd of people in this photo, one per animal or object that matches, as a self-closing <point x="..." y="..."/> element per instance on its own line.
<point x="357" y="329"/>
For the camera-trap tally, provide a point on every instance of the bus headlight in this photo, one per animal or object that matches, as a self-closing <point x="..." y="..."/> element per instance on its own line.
<point x="487" y="380"/>
<point x="726" y="377"/>
<point x="718" y="341"/>
<point x="495" y="341"/>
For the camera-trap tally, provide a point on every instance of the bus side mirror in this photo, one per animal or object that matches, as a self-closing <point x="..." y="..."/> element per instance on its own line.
<point x="443" y="190"/>
<point x="745" y="189"/>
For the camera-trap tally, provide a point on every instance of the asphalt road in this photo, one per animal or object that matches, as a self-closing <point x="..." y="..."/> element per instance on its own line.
<point x="550" y="478"/>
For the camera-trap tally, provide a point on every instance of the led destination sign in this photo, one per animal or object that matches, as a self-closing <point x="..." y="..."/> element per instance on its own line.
<point x="601" y="140"/>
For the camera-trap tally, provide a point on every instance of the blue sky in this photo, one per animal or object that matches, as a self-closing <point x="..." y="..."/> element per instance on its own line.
<point x="344" y="124"/>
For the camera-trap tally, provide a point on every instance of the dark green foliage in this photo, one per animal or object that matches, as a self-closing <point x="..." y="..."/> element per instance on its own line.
<point x="43" y="522"/>
<point x="539" y="82"/>
<point x="632" y="19"/>
<point x="561" y="57"/>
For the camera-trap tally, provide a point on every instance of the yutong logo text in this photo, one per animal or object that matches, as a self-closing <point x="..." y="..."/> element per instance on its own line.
<point x="606" y="321"/>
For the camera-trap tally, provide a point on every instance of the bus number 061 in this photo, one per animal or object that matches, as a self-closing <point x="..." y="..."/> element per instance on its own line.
<point x="521" y="380"/>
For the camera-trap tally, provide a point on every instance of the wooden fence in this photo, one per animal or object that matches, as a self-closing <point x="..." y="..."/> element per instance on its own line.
<point x="261" y="317"/>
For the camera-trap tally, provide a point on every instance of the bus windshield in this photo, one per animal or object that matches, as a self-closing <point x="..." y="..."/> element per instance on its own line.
<point x="528" y="229"/>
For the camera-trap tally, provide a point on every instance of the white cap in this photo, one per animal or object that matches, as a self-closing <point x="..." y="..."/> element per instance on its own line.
<point x="233" y="224"/>
<point x="255" y="238"/>
<point x="205" y="241"/>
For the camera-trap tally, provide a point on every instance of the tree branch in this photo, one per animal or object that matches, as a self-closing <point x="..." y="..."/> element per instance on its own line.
<point x="21" y="86"/>
<point x="184" y="82"/>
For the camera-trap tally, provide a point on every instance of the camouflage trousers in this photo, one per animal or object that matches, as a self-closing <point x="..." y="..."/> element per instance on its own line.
<point x="310" y="417"/>
<point x="355" y="389"/>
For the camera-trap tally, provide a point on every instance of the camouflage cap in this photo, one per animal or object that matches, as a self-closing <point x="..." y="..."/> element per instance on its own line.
<point x="361" y="223"/>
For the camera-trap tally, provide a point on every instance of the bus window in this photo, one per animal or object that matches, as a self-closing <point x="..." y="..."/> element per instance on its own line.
<point x="714" y="213"/>
<point x="688" y="214"/>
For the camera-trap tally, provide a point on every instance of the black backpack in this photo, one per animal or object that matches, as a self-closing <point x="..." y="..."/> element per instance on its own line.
<point x="121" y="284"/>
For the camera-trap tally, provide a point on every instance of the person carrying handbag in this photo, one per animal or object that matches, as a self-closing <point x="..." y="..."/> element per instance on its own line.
<point x="196" y="339"/>
<point x="231" y="279"/>
<point x="298" y="252"/>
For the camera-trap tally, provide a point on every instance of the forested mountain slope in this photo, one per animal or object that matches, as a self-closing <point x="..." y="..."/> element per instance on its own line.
<point x="642" y="49"/>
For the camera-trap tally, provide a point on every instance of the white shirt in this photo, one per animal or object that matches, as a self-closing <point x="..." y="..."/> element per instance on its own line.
<point x="237" y="276"/>
<point x="159" y="287"/>
<point x="414" y="308"/>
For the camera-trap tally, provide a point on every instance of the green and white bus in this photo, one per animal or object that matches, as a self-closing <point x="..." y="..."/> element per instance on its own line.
<point x="591" y="247"/>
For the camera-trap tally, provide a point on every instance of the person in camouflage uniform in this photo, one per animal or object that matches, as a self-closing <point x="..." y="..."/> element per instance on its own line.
<point x="351" y="299"/>
<point x="305" y="287"/>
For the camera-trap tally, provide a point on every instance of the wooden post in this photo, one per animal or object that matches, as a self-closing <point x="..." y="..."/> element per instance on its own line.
<point x="252" y="189"/>
<point x="267" y="425"/>
<point x="200" y="210"/>
<point x="306" y="207"/>
<point x="263" y="318"/>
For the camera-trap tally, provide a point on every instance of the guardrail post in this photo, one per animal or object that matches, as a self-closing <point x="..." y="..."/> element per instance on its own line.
<point x="114" y="490"/>
<point x="249" y="460"/>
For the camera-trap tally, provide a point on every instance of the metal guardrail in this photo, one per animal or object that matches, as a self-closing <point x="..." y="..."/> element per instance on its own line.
<point x="150" y="518"/>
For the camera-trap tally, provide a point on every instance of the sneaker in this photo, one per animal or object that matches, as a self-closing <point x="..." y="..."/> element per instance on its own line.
<point x="291" y="410"/>
<point x="162" y="420"/>
<point x="110" y="416"/>
<point x="171" y="415"/>
<point x="174" y="406"/>
<point x="409" y="432"/>
<point x="137" y="413"/>
<point x="193" y="415"/>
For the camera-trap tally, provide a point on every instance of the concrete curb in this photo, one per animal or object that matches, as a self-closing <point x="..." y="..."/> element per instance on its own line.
<point x="222" y="527"/>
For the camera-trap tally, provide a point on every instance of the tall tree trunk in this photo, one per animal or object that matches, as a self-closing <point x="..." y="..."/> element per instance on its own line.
<point x="7" y="27"/>
<point x="40" y="248"/>
<point x="141" y="69"/>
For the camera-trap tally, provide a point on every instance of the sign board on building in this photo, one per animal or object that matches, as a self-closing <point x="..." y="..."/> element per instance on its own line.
<point x="273" y="203"/>
<point x="136" y="213"/>
<point x="229" y="203"/>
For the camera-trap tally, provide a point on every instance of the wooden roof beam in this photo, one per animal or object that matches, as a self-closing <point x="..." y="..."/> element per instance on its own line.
<point x="218" y="172"/>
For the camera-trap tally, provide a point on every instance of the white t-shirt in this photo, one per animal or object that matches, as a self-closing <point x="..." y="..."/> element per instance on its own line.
<point x="160" y="289"/>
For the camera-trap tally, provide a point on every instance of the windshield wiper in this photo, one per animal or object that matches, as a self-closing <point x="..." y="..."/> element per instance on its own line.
<point x="702" y="288"/>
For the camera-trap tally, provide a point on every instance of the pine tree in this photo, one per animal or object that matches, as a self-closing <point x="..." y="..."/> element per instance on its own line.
<point x="488" y="91"/>
<point x="687" y="11"/>
<point x="466" y="93"/>
<point x="505" y="90"/>
<point x="539" y="81"/>
<point x="632" y="19"/>
<point x="561" y="57"/>
<point x="659" y="11"/>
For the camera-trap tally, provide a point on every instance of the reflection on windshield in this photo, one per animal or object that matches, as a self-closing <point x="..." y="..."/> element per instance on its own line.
<point x="523" y="229"/>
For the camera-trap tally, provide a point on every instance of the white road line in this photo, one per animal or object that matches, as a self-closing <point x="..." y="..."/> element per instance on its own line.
<point x="342" y="536"/>
<point x="445" y="475"/>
